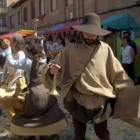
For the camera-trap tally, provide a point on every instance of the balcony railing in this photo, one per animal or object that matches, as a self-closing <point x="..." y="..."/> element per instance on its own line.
<point x="3" y="10"/>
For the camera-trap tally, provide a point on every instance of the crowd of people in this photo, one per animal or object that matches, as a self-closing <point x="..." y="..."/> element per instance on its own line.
<point x="31" y="110"/>
<point x="88" y="74"/>
<point x="129" y="53"/>
<point x="54" y="44"/>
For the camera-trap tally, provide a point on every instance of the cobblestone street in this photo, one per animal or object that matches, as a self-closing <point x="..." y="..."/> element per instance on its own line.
<point x="119" y="130"/>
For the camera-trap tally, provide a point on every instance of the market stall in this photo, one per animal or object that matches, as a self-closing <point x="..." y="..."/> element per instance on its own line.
<point x="21" y="32"/>
<point x="117" y="23"/>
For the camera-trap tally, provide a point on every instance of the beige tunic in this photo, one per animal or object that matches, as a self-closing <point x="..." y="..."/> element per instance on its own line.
<point x="102" y="78"/>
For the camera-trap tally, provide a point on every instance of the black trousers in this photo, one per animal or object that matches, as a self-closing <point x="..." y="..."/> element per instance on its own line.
<point x="80" y="130"/>
<point x="129" y="68"/>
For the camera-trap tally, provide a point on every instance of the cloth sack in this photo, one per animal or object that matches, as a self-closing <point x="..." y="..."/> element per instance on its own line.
<point x="127" y="103"/>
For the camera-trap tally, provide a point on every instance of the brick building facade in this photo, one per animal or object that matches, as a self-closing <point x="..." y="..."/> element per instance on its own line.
<point x="22" y="13"/>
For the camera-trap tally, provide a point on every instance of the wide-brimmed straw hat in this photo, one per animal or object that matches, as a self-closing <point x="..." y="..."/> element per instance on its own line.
<point x="91" y="24"/>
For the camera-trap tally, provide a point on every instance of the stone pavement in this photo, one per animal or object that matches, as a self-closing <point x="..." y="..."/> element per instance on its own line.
<point x="119" y="130"/>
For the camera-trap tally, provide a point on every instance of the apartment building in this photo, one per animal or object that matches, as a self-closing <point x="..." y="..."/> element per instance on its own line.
<point x="22" y="13"/>
<point x="3" y="26"/>
<point x="3" y="12"/>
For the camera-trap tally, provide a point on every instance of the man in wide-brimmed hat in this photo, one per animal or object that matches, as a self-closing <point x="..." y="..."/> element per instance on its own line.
<point x="90" y="75"/>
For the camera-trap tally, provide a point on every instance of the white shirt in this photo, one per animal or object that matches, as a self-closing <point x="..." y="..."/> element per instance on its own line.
<point x="12" y="71"/>
<point x="126" y="55"/>
<point x="57" y="47"/>
<point x="23" y="64"/>
<point x="4" y="52"/>
<point x="50" y="46"/>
